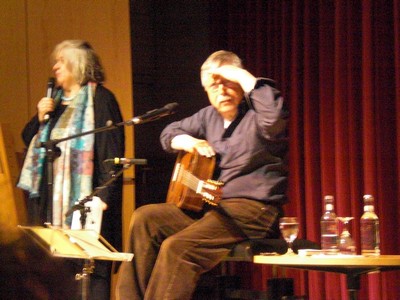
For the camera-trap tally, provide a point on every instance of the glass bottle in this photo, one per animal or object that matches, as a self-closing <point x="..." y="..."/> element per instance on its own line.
<point x="369" y="227"/>
<point x="329" y="226"/>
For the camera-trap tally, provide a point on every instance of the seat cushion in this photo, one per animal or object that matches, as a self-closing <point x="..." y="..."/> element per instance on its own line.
<point x="244" y="251"/>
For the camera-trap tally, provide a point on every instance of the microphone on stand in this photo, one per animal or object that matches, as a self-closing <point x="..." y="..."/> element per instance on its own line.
<point x="155" y="114"/>
<point x="126" y="161"/>
<point x="50" y="87"/>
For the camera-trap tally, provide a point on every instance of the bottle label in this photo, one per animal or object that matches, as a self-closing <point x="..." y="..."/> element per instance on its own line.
<point x="369" y="234"/>
<point x="329" y="234"/>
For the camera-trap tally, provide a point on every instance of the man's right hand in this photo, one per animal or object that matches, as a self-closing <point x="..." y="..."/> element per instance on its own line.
<point x="189" y="144"/>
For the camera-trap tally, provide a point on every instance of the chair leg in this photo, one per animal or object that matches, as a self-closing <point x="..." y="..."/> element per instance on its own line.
<point x="226" y="284"/>
<point x="280" y="287"/>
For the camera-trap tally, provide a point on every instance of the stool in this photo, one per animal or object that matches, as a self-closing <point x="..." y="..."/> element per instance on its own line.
<point x="229" y="286"/>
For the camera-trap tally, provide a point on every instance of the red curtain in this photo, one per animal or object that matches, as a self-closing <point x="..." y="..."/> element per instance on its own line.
<point x="338" y="65"/>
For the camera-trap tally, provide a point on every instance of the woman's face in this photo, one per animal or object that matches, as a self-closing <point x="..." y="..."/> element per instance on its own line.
<point x="63" y="71"/>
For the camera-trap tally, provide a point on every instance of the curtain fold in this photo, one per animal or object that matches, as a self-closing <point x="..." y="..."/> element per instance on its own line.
<point x="338" y="65"/>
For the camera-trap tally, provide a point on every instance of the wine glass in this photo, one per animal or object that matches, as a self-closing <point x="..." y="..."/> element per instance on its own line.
<point x="289" y="227"/>
<point x="346" y="243"/>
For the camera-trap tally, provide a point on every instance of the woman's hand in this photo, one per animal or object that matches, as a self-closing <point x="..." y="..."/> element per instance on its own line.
<point x="45" y="106"/>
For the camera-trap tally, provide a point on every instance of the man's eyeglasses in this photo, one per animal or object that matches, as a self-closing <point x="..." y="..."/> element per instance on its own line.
<point x="213" y="87"/>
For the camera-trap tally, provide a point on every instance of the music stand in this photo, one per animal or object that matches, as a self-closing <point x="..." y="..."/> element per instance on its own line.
<point x="87" y="245"/>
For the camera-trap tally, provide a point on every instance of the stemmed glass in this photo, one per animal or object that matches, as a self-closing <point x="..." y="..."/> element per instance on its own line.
<point x="289" y="227"/>
<point x="346" y="243"/>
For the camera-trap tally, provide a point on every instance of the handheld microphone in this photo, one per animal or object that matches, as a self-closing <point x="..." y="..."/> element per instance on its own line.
<point x="155" y="114"/>
<point x="50" y="86"/>
<point x="127" y="161"/>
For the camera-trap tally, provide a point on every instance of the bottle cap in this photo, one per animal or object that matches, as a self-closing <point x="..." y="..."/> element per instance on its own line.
<point x="368" y="200"/>
<point x="328" y="199"/>
<point x="368" y="203"/>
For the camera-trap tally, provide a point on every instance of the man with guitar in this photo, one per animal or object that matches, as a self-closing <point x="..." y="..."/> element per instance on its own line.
<point x="242" y="132"/>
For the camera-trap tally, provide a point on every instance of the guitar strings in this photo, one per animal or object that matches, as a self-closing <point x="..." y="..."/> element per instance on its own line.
<point x="189" y="179"/>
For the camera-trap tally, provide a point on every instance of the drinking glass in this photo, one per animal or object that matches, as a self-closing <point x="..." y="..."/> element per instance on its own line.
<point x="289" y="227"/>
<point x="346" y="243"/>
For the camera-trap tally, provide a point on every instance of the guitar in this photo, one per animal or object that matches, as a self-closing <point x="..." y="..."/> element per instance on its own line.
<point x="190" y="184"/>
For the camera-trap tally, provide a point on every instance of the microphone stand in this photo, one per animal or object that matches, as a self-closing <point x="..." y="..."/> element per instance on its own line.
<point x="52" y="152"/>
<point x="81" y="204"/>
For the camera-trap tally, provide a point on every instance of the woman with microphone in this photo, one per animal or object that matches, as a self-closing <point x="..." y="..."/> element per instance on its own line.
<point x="81" y="103"/>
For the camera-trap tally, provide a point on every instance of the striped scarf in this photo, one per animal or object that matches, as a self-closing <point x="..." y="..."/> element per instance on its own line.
<point x="73" y="169"/>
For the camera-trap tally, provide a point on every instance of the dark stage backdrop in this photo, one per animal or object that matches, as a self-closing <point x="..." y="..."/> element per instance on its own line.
<point x="338" y="65"/>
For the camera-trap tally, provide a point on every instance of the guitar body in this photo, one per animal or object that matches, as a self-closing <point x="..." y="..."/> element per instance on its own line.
<point x="182" y="188"/>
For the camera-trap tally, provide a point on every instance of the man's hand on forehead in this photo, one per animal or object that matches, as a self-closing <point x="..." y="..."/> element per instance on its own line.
<point x="232" y="74"/>
<point x="228" y="72"/>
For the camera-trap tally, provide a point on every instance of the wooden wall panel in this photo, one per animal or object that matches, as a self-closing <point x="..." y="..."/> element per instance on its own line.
<point x="12" y="202"/>
<point x="13" y="67"/>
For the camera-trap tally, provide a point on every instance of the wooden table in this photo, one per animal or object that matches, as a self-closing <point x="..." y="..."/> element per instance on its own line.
<point x="353" y="266"/>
